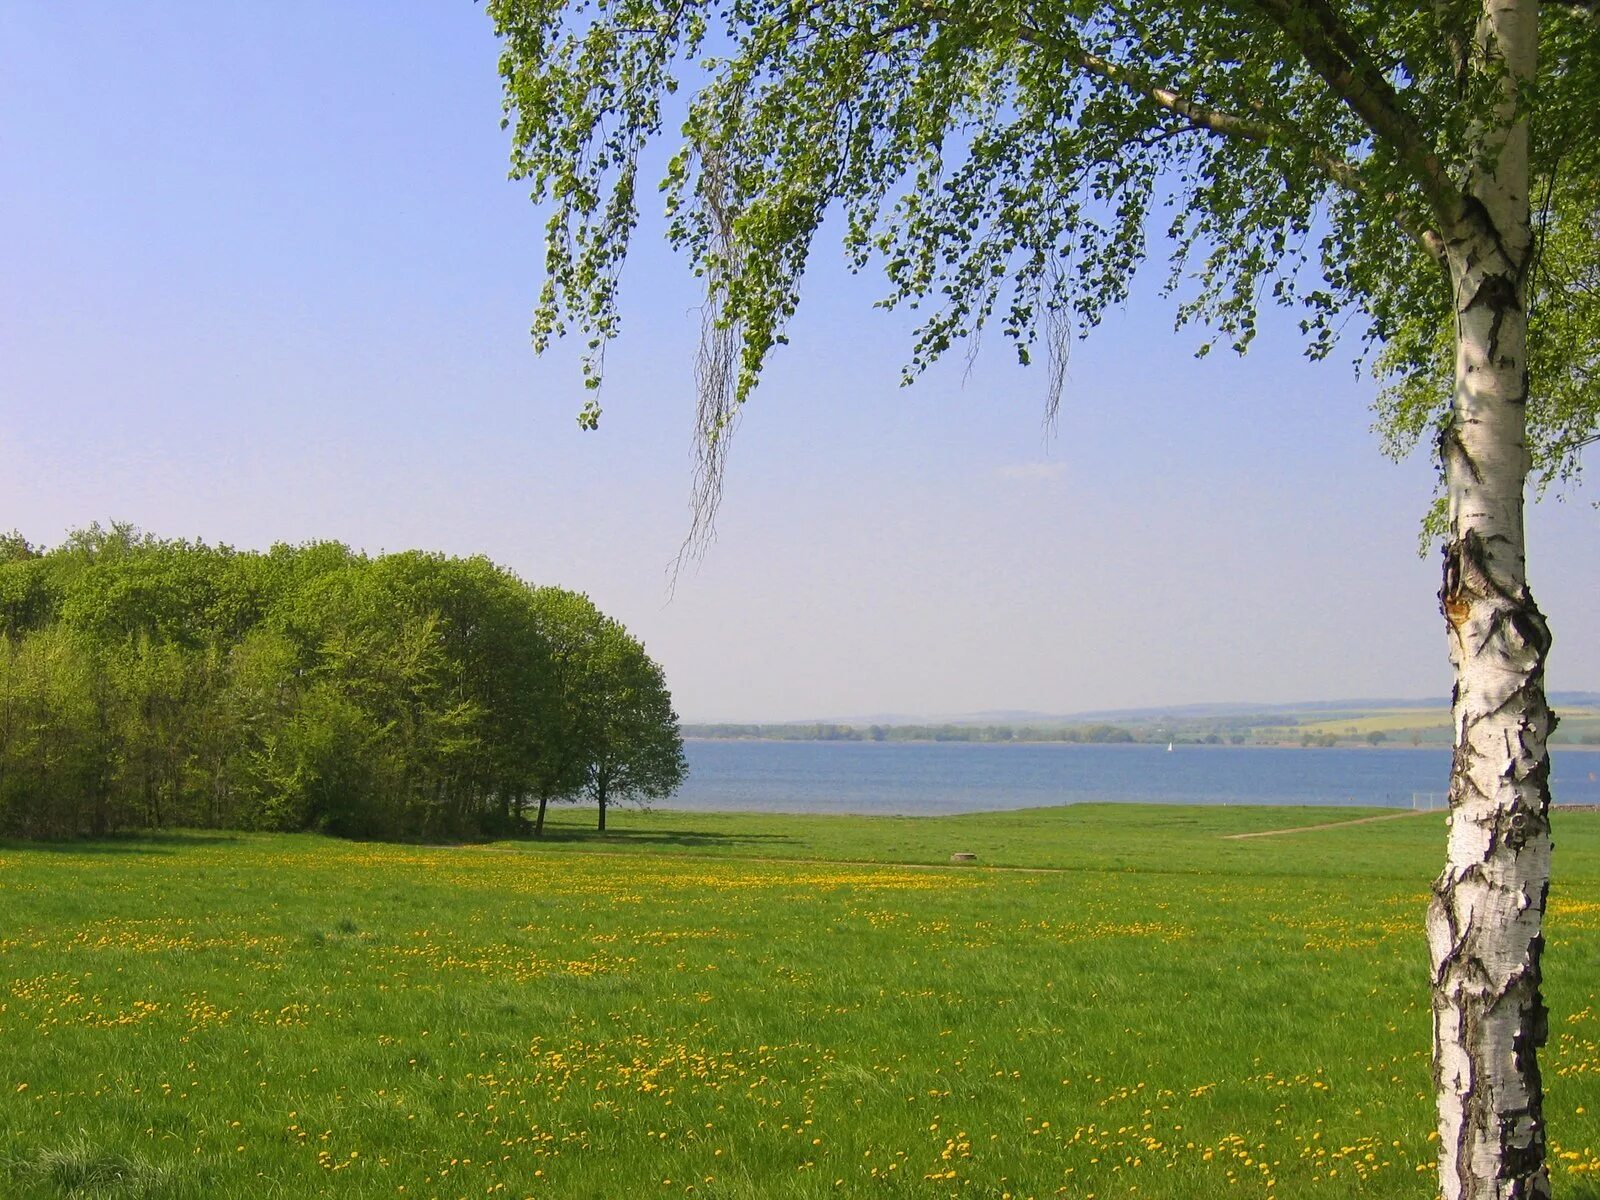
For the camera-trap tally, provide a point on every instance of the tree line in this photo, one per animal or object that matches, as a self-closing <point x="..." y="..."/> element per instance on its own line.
<point x="1097" y="733"/>
<point x="147" y="682"/>
<point x="830" y="732"/>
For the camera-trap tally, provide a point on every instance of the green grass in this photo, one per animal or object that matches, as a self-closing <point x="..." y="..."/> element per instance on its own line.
<point x="755" y="1006"/>
<point x="1432" y="724"/>
<point x="1390" y="721"/>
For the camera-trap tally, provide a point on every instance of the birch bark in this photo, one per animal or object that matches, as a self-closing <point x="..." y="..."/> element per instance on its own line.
<point x="1485" y="919"/>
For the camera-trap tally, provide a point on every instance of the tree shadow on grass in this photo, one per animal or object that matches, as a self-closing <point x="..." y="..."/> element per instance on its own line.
<point x="686" y="839"/>
<point x="165" y="842"/>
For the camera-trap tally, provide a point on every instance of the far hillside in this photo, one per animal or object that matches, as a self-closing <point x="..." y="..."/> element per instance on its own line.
<point x="1375" y="723"/>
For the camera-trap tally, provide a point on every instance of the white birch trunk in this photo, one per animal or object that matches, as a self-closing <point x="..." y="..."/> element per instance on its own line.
<point x="1485" y="919"/>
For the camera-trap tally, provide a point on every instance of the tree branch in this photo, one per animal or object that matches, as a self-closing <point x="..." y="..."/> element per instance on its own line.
<point x="1200" y="116"/>
<point x="1225" y="124"/>
<point x="1332" y="52"/>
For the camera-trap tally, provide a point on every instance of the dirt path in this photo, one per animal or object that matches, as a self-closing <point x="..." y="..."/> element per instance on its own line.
<point x="1326" y="825"/>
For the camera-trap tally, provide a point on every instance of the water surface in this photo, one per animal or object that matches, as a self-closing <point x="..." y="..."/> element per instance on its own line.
<point x="952" y="777"/>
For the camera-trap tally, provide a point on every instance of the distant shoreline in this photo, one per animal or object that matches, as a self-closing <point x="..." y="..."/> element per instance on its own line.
<point x="1017" y="744"/>
<point x="1377" y="724"/>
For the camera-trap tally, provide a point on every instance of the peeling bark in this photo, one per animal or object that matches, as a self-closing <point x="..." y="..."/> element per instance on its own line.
<point x="1485" y="919"/>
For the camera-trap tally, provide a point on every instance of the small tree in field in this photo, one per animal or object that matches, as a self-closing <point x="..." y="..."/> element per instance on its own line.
<point x="629" y="743"/>
<point x="1429" y="168"/>
<point x="613" y="735"/>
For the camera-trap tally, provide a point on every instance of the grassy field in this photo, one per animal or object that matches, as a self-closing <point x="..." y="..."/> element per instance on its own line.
<point x="1387" y="721"/>
<point x="741" y="1006"/>
<point x="1431" y="725"/>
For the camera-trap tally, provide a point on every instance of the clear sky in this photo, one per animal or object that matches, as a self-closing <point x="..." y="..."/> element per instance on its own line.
<point x="262" y="278"/>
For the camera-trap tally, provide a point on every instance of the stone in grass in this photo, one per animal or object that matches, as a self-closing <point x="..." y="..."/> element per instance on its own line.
<point x="963" y="856"/>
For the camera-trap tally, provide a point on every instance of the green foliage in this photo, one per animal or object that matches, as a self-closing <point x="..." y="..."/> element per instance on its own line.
<point x="1009" y="162"/>
<point x="631" y="745"/>
<point x="147" y="683"/>
<point x="1563" y="349"/>
<point x="618" y="737"/>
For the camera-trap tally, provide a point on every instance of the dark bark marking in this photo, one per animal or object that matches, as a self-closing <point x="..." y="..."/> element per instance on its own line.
<point x="1530" y="626"/>
<point x="1518" y="696"/>
<point x="1522" y="1130"/>
<point x="1455" y="609"/>
<point x="1469" y="579"/>
<point x="1499" y="295"/>
<point x="1471" y="1104"/>
<point x="1453" y="449"/>
<point x="1516" y="830"/>
<point x="1476" y="222"/>
<point x="1442" y="888"/>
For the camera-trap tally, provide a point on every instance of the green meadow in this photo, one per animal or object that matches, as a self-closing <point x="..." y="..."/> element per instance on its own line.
<point x="1578" y="725"/>
<point x="1115" y="1001"/>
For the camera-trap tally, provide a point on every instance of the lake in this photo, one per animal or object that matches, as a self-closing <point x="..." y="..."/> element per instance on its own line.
<point x="953" y="777"/>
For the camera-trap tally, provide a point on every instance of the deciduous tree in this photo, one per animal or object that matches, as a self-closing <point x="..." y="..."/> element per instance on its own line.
<point x="627" y="735"/>
<point x="1425" y="168"/>
<point x="146" y="683"/>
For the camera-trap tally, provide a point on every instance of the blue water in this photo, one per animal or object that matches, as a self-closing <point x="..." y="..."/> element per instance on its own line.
<point x="952" y="777"/>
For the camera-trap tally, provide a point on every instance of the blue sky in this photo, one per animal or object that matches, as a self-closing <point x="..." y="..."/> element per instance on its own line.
<point x="265" y="279"/>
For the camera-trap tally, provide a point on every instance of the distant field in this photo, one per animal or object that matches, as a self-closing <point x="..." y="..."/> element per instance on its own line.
<point x="692" y="1006"/>
<point x="1578" y="723"/>
<point x="1575" y="722"/>
<point x="1387" y="720"/>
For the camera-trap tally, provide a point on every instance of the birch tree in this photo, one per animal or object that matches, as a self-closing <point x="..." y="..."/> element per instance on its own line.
<point x="1420" y="172"/>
